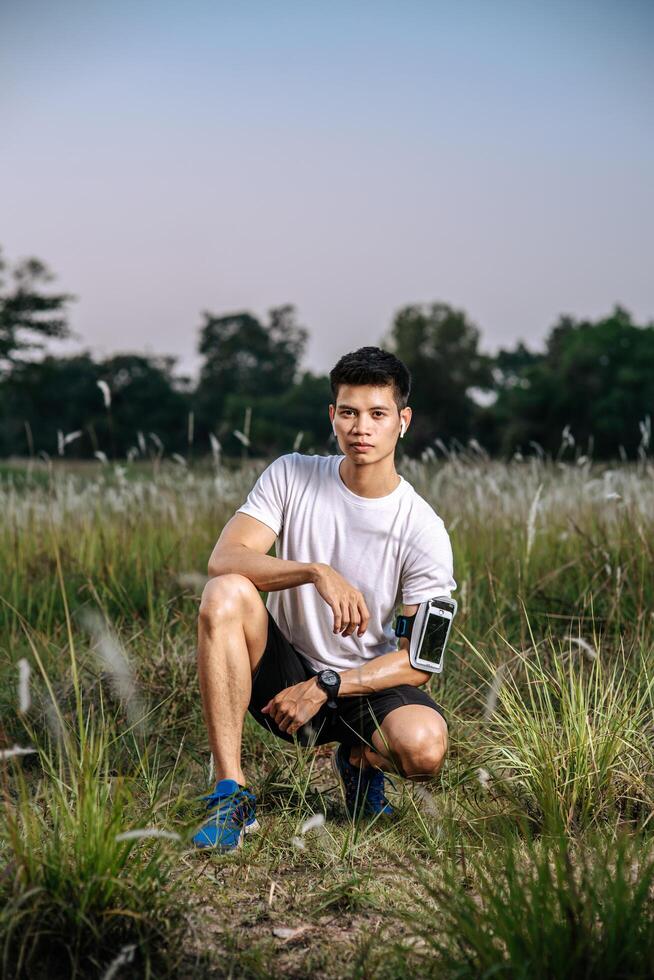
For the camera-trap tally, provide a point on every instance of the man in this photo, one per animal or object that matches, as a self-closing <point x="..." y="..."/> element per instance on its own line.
<point x="320" y="661"/>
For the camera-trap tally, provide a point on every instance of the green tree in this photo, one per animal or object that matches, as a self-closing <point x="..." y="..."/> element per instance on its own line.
<point x="439" y="345"/>
<point x="278" y="420"/>
<point x="244" y="358"/>
<point x="27" y="314"/>
<point x="63" y="394"/>
<point x="595" y="377"/>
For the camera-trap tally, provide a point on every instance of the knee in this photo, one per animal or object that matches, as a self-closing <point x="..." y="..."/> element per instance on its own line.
<point x="225" y="597"/>
<point x="422" y="756"/>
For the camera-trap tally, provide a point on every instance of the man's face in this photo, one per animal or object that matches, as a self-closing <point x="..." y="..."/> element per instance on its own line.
<point x="367" y="422"/>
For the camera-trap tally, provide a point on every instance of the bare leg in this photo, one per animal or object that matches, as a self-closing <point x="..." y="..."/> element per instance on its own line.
<point x="232" y="633"/>
<point x="414" y="743"/>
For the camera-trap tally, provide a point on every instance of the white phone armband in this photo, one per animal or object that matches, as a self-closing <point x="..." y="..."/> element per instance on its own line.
<point x="428" y="631"/>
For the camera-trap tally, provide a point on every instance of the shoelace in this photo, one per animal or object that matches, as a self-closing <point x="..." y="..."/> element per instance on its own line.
<point x="376" y="782"/>
<point x="238" y="807"/>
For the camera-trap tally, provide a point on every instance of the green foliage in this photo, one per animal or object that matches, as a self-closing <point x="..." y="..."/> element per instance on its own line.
<point x="598" y="378"/>
<point x="440" y="347"/>
<point x="545" y="554"/>
<point x="245" y="358"/>
<point x="61" y="394"/>
<point x="27" y="314"/>
<point x="539" y="910"/>
<point x="74" y="893"/>
<point x="570" y="737"/>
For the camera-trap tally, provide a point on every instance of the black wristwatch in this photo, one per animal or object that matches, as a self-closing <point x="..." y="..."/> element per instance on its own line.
<point x="329" y="681"/>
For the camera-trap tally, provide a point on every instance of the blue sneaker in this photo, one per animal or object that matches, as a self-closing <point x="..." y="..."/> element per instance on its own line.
<point x="232" y="809"/>
<point x="363" y="788"/>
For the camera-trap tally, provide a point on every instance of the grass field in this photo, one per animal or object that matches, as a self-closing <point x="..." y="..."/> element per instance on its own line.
<point x="531" y="857"/>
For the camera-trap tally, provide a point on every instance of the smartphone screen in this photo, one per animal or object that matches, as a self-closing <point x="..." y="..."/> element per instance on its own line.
<point x="433" y="642"/>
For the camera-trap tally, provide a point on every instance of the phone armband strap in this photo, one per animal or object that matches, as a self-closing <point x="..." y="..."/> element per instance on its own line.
<point x="404" y="625"/>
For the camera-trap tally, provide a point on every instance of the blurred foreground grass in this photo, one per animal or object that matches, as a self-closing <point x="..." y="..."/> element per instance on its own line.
<point x="531" y="857"/>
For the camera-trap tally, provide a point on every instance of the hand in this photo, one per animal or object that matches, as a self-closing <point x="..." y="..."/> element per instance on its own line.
<point x="294" y="706"/>
<point x="347" y="603"/>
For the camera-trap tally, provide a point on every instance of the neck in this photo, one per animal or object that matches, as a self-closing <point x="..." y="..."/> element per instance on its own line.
<point x="370" y="479"/>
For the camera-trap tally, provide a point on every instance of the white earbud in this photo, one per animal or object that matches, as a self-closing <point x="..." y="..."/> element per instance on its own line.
<point x="402" y="428"/>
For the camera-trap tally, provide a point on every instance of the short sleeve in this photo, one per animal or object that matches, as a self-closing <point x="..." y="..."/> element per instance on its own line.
<point x="267" y="499"/>
<point x="428" y="567"/>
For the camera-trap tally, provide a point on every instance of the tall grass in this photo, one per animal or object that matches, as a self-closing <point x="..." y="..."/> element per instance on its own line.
<point x="538" y="910"/>
<point x="548" y="691"/>
<point x="77" y="886"/>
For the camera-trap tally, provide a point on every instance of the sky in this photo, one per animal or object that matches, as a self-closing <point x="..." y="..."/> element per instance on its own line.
<point x="166" y="159"/>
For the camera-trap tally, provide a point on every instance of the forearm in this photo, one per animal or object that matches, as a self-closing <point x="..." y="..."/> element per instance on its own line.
<point x="386" y="671"/>
<point x="268" y="574"/>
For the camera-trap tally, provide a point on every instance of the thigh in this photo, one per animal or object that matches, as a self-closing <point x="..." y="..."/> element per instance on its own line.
<point x="361" y="718"/>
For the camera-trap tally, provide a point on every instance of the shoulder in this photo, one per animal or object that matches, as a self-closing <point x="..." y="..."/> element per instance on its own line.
<point x="301" y="463"/>
<point x="422" y="514"/>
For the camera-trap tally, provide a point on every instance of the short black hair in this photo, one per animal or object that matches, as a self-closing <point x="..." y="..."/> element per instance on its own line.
<point x="373" y="366"/>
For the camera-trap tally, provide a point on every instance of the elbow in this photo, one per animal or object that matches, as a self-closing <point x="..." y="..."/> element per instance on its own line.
<point x="215" y="567"/>
<point x="420" y="677"/>
<point x="224" y="562"/>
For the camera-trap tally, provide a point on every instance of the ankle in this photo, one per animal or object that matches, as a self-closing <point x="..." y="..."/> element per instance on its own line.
<point x="357" y="757"/>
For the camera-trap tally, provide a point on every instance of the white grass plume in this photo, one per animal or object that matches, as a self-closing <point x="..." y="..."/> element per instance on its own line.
<point x="315" y="822"/>
<point x="493" y="692"/>
<point x="157" y="441"/>
<point x="483" y="777"/>
<point x="24" y="699"/>
<point x="588" y="651"/>
<point x="531" y="520"/>
<point x="194" y="581"/>
<point x="215" y="448"/>
<point x="125" y="956"/>
<point x="17" y="750"/>
<point x="111" y="655"/>
<point x="106" y="393"/>
<point x="144" y="832"/>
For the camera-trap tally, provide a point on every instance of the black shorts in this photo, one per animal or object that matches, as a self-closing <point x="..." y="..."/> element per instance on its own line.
<point x="352" y="722"/>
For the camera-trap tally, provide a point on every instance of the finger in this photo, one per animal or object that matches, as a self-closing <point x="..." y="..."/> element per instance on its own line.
<point x="347" y="617"/>
<point x="264" y="711"/>
<point x="365" y="616"/>
<point x="275" y="711"/>
<point x="338" y="617"/>
<point x="354" y="618"/>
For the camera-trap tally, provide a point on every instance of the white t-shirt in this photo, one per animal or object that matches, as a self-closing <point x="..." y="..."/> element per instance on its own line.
<point x="394" y="549"/>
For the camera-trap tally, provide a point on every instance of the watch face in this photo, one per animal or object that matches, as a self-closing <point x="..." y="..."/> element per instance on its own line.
<point x="329" y="677"/>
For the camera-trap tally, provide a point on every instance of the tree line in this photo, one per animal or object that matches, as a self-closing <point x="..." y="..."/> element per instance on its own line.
<point x="590" y="391"/>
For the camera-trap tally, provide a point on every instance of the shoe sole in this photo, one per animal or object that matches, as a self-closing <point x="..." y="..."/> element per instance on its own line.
<point x="250" y="828"/>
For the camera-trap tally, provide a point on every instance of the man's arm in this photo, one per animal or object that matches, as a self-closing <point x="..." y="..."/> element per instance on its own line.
<point x="243" y="548"/>
<point x="295" y="705"/>
<point x="389" y="670"/>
